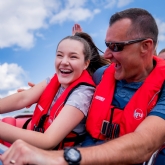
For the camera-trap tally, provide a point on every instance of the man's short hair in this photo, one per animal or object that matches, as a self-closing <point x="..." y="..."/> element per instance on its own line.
<point x="143" y="23"/>
<point x="163" y="50"/>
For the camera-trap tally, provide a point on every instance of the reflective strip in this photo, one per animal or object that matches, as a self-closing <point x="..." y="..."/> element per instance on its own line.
<point x="41" y="109"/>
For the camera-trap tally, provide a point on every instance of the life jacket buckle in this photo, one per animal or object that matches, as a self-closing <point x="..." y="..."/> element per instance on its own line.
<point x="110" y="130"/>
<point x="37" y="129"/>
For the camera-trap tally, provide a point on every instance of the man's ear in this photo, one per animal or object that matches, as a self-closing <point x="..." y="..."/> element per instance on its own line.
<point x="147" y="45"/>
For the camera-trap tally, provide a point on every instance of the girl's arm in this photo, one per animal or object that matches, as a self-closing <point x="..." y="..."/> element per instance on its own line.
<point x="22" y="99"/>
<point x="64" y="123"/>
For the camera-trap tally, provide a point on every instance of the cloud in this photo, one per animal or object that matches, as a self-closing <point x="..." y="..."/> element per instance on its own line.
<point x="74" y="3"/>
<point x="20" y="21"/>
<point x="122" y="3"/>
<point x="12" y="77"/>
<point x="161" y="27"/>
<point x="117" y="3"/>
<point x="73" y="10"/>
<point x="23" y="19"/>
<point x="9" y="92"/>
<point x="111" y="4"/>
<point x="76" y="15"/>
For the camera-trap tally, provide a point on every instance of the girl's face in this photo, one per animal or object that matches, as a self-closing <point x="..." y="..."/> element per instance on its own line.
<point x="70" y="61"/>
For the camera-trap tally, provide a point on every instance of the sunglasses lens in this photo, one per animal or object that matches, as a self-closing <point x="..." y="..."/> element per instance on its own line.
<point x="115" y="47"/>
<point x="119" y="47"/>
<point x="107" y="44"/>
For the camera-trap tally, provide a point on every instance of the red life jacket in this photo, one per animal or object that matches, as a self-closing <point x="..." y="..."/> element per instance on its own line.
<point x="41" y="120"/>
<point x="106" y="121"/>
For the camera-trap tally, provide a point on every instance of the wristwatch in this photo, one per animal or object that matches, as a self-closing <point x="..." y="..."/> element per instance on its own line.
<point x="72" y="156"/>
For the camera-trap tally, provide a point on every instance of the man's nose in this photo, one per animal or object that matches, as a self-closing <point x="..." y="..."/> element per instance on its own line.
<point x="108" y="54"/>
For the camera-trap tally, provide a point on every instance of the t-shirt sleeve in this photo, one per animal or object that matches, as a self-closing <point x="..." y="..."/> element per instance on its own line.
<point x="98" y="74"/>
<point x="159" y="109"/>
<point x="81" y="98"/>
<point x="48" y="79"/>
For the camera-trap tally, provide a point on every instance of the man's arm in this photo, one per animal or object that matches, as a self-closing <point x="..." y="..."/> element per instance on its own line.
<point x="76" y="28"/>
<point x="132" y="148"/>
<point x="20" y="90"/>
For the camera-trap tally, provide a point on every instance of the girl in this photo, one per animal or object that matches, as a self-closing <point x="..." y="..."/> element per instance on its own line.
<point x="62" y="102"/>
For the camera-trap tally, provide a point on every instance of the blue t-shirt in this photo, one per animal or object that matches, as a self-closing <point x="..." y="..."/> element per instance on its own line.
<point x="124" y="91"/>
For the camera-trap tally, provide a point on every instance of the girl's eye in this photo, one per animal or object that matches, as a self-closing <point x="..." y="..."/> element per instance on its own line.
<point x="73" y="57"/>
<point x="59" y="55"/>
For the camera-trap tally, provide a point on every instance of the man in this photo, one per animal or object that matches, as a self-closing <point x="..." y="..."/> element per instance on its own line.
<point x="131" y="39"/>
<point x="162" y="54"/>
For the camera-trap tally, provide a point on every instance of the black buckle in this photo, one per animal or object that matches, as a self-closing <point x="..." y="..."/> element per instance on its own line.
<point x="37" y="129"/>
<point x="110" y="130"/>
<point x="40" y="126"/>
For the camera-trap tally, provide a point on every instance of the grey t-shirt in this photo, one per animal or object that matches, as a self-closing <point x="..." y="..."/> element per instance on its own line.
<point x="80" y="98"/>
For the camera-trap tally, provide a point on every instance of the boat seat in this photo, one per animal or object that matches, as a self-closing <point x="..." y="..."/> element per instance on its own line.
<point x="17" y="121"/>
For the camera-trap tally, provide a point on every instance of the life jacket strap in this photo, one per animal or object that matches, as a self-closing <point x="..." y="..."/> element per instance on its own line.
<point x="40" y="126"/>
<point x="71" y="140"/>
<point x="26" y="123"/>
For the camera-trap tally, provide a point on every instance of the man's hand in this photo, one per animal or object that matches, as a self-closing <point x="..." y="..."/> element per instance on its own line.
<point x="20" y="90"/>
<point x="29" y="83"/>
<point x="22" y="153"/>
<point x="76" y="28"/>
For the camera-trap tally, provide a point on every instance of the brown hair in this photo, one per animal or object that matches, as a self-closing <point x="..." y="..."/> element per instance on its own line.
<point x="96" y="60"/>
<point x="90" y="51"/>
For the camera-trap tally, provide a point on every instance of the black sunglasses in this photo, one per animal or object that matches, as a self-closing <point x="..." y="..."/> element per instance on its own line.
<point x="119" y="46"/>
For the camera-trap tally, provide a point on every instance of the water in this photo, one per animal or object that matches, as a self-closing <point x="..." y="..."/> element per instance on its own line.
<point x="2" y="150"/>
<point x="11" y="113"/>
<point x="15" y="113"/>
<point x="23" y="111"/>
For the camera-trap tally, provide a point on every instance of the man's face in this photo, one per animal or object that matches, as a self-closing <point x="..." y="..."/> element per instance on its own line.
<point x="162" y="55"/>
<point x="128" y="63"/>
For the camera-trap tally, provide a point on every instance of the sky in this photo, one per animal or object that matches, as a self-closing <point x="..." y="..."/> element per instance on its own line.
<point x="31" y="29"/>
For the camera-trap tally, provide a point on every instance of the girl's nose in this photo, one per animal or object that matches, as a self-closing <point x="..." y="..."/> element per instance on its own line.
<point x="65" y="61"/>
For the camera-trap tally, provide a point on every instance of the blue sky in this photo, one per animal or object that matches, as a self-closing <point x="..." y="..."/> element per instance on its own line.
<point x="31" y="29"/>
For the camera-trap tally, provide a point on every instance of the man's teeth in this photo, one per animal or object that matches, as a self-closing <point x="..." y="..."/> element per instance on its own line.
<point x="117" y="65"/>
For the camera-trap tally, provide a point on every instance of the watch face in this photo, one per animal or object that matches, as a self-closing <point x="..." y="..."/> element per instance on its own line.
<point x="73" y="154"/>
